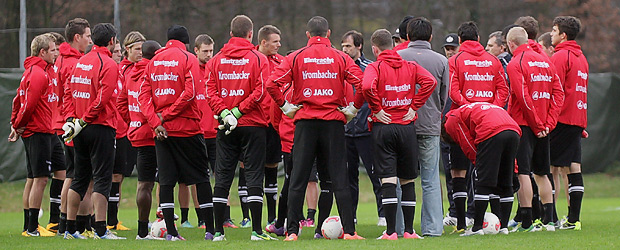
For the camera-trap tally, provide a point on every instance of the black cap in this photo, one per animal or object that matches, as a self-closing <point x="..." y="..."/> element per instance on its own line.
<point x="178" y="32"/>
<point x="396" y="34"/>
<point x="451" y="40"/>
<point x="402" y="28"/>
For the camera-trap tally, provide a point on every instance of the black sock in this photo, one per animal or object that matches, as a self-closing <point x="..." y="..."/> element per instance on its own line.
<point x="255" y="203"/>
<point x="55" y="190"/>
<point x="506" y="208"/>
<point x="71" y="226"/>
<point x="271" y="192"/>
<point x="91" y="221"/>
<point x="517" y="217"/>
<point x="548" y="213"/>
<point x="311" y="213"/>
<point x="575" y="193"/>
<point x="526" y="217"/>
<point x="390" y="204"/>
<point x="243" y="194"/>
<point x="166" y="199"/>
<point x="26" y="216"/>
<point x="494" y="203"/>
<point x="33" y="219"/>
<point x="554" y="213"/>
<point x="143" y="228"/>
<point x="205" y="198"/>
<point x="100" y="228"/>
<point x="326" y="200"/>
<point x="459" y="196"/>
<point x="80" y="222"/>
<point x="227" y="213"/>
<point x="199" y="215"/>
<point x="408" y="203"/>
<point x="220" y="198"/>
<point x="113" y="204"/>
<point x="62" y="226"/>
<point x="482" y="201"/>
<point x="184" y="214"/>
<point x="282" y="205"/>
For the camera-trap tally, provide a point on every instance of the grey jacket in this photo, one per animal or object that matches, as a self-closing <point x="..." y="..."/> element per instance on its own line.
<point x="429" y="116"/>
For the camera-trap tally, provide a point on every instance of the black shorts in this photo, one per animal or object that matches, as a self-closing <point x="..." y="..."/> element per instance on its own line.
<point x="121" y="166"/>
<point x="58" y="155"/>
<point x="182" y="160"/>
<point x="146" y="164"/>
<point x="38" y="154"/>
<point x="495" y="160"/>
<point x="458" y="159"/>
<point x="94" y="159"/>
<point x="314" y="175"/>
<point x="565" y="145"/>
<point x="69" y="160"/>
<point x="533" y="153"/>
<point x="396" y="150"/>
<point x="248" y="142"/>
<point x="273" y="152"/>
<point x="210" y="143"/>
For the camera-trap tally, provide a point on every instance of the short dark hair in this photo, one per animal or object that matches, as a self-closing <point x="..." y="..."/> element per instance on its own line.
<point x="265" y="31"/>
<point x="468" y="31"/>
<point x="358" y="38"/>
<point x="382" y="39"/>
<point x="568" y="25"/>
<point x="402" y="27"/>
<point x="58" y="38"/>
<point x="241" y="25"/>
<point x="499" y="39"/>
<point x="317" y="26"/>
<point x="103" y="33"/>
<point x="75" y="26"/>
<point x="529" y="24"/>
<point x="419" y="28"/>
<point x="148" y="49"/>
<point x="203" y="39"/>
<point x="545" y="38"/>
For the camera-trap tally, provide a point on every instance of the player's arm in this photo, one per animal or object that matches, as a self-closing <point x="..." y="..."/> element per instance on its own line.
<point x="524" y="98"/>
<point x="443" y="87"/>
<point x="122" y="104"/>
<point x="557" y="101"/>
<point x="37" y="87"/>
<point x="68" y="107"/>
<point x="211" y="93"/>
<point x="461" y="135"/>
<point x="16" y="106"/>
<point x="108" y="82"/>
<point x="561" y="67"/>
<point x="353" y="75"/>
<point x="189" y="90"/>
<point x="281" y="75"/>
<point x="455" y="86"/>
<point x="501" y="86"/>
<point x="253" y="101"/>
<point x="427" y="84"/>
<point x="145" y="101"/>
<point x="369" y="88"/>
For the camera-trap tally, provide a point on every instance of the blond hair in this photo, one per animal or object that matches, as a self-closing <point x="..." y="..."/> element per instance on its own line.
<point x="131" y="38"/>
<point x="517" y="35"/>
<point x="41" y="42"/>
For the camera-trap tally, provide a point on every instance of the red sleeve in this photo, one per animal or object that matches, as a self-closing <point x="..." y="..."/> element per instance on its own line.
<point x="253" y="101"/>
<point x="37" y="86"/>
<point x="16" y="106"/>
<point x="455" y="87"/>
<point x="122" y="104"/>
<point x="427" y="84"/>
<point x="353" y="74"/>
<point x="559" y="61"/>
<point x="276" y="116"/>
<point x="189" y="91"/>
<point x="501" y="87"/>
<point x="215" y="102"/>
<point x="109" y="81"/>
<point x="145" y="101"/>
<point x="369" y="87"/>
<point x="557" y="100"/>
<point x="461" y="134"/>
<point x="524" y="99"/>
<point x="280" y="76"/>
<point x="68" y="107"/>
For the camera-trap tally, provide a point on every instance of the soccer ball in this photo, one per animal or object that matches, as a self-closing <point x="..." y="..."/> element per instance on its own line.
<point x="332" y="228"/>
<point x="158" y="229"/>
<point x="491" y="224"/>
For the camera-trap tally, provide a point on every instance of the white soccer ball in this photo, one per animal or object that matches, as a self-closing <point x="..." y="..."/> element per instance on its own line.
<point x="332" y="228"/>
<point x="158" y="229"/>
<point x="491" y="224"/>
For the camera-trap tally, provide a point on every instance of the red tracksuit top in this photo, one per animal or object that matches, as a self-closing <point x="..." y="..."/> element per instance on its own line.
<point x="390" y="85"/>
<point x="536" y="94"/>
<point x="536" y="47"/>
<point x="274" y="61"/>
<point x="319" y="74"/>
<point x="236" y="78"/>
<point x="208" y="124"/>
<point x="53" y="97"/>
<point x="124" y="67"/>
<point x="471" y="124"/>
<point x="169" y="88"/>
<point x="139" y="132"/>
<point x="401" y="46"/>
<point x="282" y="123"/>
<point x="92" y="83"/>
<point x="65" y="63"/>
<point x="476" y="76"/>
<point x="573" y="70"/>
<point x="31" y="105"/>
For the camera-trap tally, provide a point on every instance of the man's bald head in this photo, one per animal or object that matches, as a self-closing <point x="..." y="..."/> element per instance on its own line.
<point x="148" y="49"/>
<point x="517" y="35"/>
<point x="318" y="26"/>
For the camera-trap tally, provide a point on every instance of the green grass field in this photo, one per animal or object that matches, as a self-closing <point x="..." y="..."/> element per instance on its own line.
<point x="600" y="217"/>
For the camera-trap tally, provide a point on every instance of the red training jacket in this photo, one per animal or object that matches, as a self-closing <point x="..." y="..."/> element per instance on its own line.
<point x="319" y="74"/>
<point x="536" y="47"/>
<point x="573" y="70"/>
<point x="124" y="67"/>
<point x="236" y="78"/>
<point x="169" y="88"/>
<point x="139" y="133"/>
<point x="65" y="63"/>
<point x="31" y="105"/>
<point x="476" y="76"/>
<point x="274" y="61"/>
<point x="536" y="92"/>
<point x="471" y="124"/>
<point x="389" y="85"/>
<point x="282" y="123"/>
<point x="93" y="82"/>
<point x="208" y="124"/>
<point x="401" y="46"/>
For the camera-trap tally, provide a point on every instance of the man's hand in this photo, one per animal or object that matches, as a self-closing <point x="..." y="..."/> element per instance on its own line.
<point x="161" y="118"/>
<point x="348" y="111"/>
<point x="72" y="128"/>
<point x="161" y="133"/>
<point x="13" y="136"/>
<point x="543" y="133"/>
<point x="290" y="109"/>
<point x="383" y="117"/>
<point x="410" y="115"/>
<point x="227" y="120"/>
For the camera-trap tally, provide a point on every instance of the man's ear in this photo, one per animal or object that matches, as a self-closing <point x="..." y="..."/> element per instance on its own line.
<point x="308" y="34"/>
<point x="329" y="32"/>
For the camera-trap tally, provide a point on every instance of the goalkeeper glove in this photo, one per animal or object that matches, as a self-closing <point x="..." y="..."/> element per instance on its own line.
<point x="290" y="109"/>
<point x="228" y="119"/>
<point x="349" y="111"/>
<point x="72" y="128"/>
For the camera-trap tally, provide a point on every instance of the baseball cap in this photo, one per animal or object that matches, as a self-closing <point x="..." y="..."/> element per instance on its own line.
<point x="402" y="28"/>
<point x="396" y="34"/>
<point x="451" y="40"/>
<point x="178" y="32"/>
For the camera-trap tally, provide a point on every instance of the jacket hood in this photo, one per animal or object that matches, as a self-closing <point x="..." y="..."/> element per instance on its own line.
<point x="124" y="63"/>
<point x="571" y="46"/>
<point x="68" y="51"/>
<point x="237" y="47"/>
<point x="472" y="47"/>
<point x="535" y="46"/>
<point x="34" y="60"/>
<point x="138" y="69"/>
<point x="391" y="58"/>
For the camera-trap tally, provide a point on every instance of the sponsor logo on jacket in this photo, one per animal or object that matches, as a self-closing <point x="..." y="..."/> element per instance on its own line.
<point x="172" y="63"/>
<point x="135" y="124"/>
<point x="80" y="80"/>
<point x="398" y="102"/>
<point x="200" y="97"/>
<point x="582" y="105"/>
<point x="52" y="97"/>
<point x="538" y="64"/>
<point x="319" y="75"/>
<point x="540" y="78"/>
<point x="233" y="76"/>
<point x="470" y="93"/>
<point x="164" y="77"/>
<point x="326" y="60"/>
<point x="134" y="108"/>
<point x="478" y="64"/>
<point x="308" y="92"/>
<point x="478" y="77"/>
<point x="85" y="67"/>
<point x="401" y="88"/>
<point x="583" y="89"/>
<point x="232" y="92"/>
<point x="84" y="95"/>
<point x="235" y="62"/>
<point x="582" y="75"/>
<point x="166" y="91"/>
<point x="540" y="95"/>
<point x="133" y="94"/>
